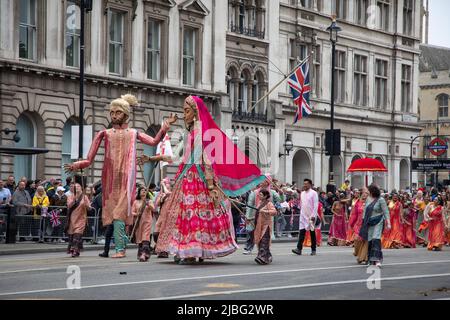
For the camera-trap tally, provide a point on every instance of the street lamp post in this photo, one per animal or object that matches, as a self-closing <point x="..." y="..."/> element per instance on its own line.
<point x="333" y="29"/>
<point x="288" y="146"/>
<point x="436" y="180"/>
<point x="85" y="6"/>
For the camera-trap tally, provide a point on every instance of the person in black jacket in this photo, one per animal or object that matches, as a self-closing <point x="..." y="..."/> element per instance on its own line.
<point x="109" y="230"/>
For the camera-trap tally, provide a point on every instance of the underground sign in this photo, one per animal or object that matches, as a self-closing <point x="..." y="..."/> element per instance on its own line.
<point x="437" y="147"/>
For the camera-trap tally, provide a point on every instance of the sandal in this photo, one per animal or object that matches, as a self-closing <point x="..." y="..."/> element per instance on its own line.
<point x="119" y="254"/>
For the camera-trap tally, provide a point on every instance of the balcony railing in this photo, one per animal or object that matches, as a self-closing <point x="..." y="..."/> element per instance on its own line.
<point x="247" y="31"/>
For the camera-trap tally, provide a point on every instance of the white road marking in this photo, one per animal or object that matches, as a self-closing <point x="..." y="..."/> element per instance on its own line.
<point x="220" y="276"/>
<point x="317" y="284"/>
<point x="64" y="267"/>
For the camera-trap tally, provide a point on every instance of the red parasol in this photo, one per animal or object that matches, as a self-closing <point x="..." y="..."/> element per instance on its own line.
<point x="367" y="164"/>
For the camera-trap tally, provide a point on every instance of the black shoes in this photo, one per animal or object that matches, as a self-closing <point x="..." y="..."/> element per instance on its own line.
<point x="103" y="255"/>
<point x="299" y="252"/>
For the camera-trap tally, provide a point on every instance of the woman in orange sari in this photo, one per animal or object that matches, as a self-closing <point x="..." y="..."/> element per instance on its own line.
<point x="409" y="225"/>
<point x="307" y="241"/>
<point x="436" y="225"/>
<point x="393" y="239"/>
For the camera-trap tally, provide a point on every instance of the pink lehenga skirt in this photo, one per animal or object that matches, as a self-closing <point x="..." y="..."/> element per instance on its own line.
<point x="202" y="229"/>
<point x="338" y="231"/>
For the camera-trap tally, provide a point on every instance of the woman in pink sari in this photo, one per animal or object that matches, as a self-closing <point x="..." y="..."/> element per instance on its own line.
<point x="338" y="230"/>
<point x="195" y="221"/>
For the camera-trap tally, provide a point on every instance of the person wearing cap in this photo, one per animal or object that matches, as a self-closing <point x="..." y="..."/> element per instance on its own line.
<point x="59" y="199"/>
<point x="119" y="167"/>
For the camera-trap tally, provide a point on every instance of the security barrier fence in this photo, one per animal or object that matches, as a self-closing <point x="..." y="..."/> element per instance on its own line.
<point x="49" y="225"/>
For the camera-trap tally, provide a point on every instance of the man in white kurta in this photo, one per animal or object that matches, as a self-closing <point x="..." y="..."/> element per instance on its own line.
<point x="309" y="203"/>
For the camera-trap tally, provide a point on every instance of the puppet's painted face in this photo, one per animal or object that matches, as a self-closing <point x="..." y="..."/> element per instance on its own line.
<point x="118" y="116"/>
<point x="189" y="114"/>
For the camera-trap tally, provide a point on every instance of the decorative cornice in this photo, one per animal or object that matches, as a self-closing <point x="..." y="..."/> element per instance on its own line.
<point x="61" y="74"/>
<point x="186" y="6"/>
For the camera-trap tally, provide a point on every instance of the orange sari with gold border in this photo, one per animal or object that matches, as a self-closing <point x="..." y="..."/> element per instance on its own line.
<point x="394" y="238"/>
<point x="436" y="229"/>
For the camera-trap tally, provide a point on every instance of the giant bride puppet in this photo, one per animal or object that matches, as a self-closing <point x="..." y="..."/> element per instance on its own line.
<point x="195" y="219"/>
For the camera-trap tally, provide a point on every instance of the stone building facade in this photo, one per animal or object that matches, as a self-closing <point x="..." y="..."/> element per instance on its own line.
<point x="228" y="52"/>
<point x="433" y="105"/>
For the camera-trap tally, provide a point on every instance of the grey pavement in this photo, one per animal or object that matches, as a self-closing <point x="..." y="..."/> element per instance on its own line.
<point x="332" y="274"/>
<point x="31" y="247"/>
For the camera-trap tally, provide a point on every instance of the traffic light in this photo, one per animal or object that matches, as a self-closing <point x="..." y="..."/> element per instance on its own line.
<point x="336" y="139"/>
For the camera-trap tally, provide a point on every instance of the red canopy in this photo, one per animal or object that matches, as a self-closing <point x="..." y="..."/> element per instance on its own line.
<point x="367" y="164"/>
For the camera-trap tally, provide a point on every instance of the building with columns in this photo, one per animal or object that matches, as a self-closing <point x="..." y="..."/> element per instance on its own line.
<point x="433" y="106"/>
<point x="230" y="53"/>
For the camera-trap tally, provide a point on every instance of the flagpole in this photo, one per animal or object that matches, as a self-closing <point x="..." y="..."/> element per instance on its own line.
<point x="281" y="81"/>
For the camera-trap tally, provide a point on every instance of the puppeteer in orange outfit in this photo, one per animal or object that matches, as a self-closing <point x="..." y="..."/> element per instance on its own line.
<point x="78" y="204"/>
<point x="143" y="217"/>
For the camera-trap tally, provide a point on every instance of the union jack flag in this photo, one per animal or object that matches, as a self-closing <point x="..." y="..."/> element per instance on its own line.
<point x="54" y="218"/>
<point x="242" y="229"/>
<point x="300" y="89"/>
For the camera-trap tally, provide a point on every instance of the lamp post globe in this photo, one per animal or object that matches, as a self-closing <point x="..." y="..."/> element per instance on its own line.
<point x="288" y="146"/>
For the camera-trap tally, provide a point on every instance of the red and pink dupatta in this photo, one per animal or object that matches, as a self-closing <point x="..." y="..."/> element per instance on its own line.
<point x="236" y="173"/>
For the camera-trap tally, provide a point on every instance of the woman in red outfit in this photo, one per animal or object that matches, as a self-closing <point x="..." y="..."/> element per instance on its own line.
<point x="436" y="225"/>
<point x="409" y="221"/>
<point x="393" y="239"/>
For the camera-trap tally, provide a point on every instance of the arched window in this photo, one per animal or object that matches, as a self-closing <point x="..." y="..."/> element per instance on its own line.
<point x="255" y="93"/>
<point x="259" y="90"/>
<point x="357" y="180"/>
<point x="443" y="105"/>
<point x="25" y="165"/>
<point x="243" y="93"/>
<point x="232" y="80"/>
<point x="404" y="174"/>
<point x="66" y="147"/>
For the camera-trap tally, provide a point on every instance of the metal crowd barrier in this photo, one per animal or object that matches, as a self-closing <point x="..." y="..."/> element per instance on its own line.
<point x="3" y="226"/>
<point x="286" y="225"/>
<point x="32" y="227"/>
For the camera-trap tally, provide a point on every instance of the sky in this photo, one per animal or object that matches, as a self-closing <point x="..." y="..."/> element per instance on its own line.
<point x="439" y="33"/>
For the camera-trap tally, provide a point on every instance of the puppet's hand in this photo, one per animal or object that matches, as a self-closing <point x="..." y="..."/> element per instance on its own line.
<point x="143" y="159"/>
<point x="68" y="167"/>
<point x="172" y="119"/>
